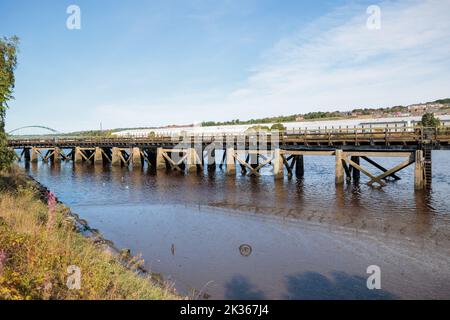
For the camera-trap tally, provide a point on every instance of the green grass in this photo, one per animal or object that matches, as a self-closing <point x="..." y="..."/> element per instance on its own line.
<point x="35" y="252"/>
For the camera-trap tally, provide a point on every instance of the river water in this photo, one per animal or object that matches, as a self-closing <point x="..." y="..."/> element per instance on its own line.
<point x="214" y="236"/>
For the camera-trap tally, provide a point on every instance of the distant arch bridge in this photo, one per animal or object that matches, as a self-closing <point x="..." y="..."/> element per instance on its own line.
<point x="35" y="127"/>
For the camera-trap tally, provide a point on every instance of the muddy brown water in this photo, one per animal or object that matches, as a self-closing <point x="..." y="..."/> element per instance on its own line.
<point x="256" y="238"/>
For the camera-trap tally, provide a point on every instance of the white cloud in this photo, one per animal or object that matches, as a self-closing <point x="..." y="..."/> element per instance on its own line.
<point x="348" y="65"/>
<point x="334" y="63"/>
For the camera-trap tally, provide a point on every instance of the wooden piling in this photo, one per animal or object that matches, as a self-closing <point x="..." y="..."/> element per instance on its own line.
<point x="116" y="157"/>
<point x="254" y="159"/>
<point x="419" y="172"/>
<point x="356" y="174"/>
<point x="78" y="156"/>
<point x="34" y="154"/>
<point x="136" y="157"/>
<point x="56" y="157"/>
<point x="160" y="161"/>
<point x="427" y="156"/>
<point x="339" y="168"/>
<point x="26" y="154"/>
<point x="192" y="160"/>
<point x="211" y="159"/>
<point x="278" y="165"/>
<point x="299" y="166"/>
<point x="230" y="162"/>
<point x="98" y="156"/>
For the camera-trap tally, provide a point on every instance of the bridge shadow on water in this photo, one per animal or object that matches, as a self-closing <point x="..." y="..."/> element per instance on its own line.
<point x="311" y="285"/>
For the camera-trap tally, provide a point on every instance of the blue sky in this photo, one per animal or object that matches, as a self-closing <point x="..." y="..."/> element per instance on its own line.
<point x="148" y="63"/>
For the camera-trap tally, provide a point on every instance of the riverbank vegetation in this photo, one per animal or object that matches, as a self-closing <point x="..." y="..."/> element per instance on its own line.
<point x="40" y="248"/>
<point x="42" y="253"/>
<point x="8" y="63"/>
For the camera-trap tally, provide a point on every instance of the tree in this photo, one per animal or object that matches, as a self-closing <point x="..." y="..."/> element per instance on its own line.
<point x="257" y="128"/>
<point x="430" y="121"/>
<point x="278" y="126"/>
<point x="8" y="63"/>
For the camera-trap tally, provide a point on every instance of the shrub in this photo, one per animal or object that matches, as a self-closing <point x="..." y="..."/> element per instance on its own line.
<point x="429" y="120"/>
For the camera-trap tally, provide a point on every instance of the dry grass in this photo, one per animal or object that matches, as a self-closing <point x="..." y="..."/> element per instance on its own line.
<point x="34" y="258"/>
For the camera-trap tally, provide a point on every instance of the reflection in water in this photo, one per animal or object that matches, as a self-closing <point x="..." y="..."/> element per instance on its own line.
<point x="314" y="240"/>
<point x="240" y="288"/>
<point x="313" y="285"/>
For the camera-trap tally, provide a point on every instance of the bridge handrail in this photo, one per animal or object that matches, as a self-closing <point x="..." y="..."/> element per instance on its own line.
<point x="417" y="132"/>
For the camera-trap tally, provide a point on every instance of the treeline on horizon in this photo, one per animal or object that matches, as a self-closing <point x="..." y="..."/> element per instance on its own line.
<point x="316" y="115"/>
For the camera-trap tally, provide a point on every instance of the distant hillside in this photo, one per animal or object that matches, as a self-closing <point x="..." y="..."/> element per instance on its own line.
<point x="327" y="115"/>
<point x="442" y="101"/>
<point x="333" y="115"/>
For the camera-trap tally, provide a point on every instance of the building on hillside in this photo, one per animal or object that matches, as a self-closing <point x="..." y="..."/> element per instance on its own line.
<point x="417" y="108"/>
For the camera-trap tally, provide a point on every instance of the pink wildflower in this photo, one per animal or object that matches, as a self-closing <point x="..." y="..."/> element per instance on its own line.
<point x="2" y="260"/>
<point x="51" y="203"/>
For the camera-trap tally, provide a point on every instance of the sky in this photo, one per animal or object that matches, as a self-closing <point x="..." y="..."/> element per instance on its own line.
<point x="152" y="63"/>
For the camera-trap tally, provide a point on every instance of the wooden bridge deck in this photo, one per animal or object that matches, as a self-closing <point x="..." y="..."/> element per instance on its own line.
<point x="410" y="138"/>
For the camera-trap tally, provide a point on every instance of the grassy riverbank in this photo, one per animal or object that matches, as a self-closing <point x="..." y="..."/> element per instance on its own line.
<point x="37" y="247"/>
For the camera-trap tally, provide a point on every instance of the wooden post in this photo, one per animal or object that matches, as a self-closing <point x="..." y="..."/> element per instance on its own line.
<point x="356" y="174"/>
<point x="26" y="154"/>
<point x="278" y="165"/>
<point x="223" y="159"/>
<point x="98" y="156"/>
<point x="34" y="154"/>
<point x="299" y="167"/>
<point x="115" y="157"/>
<point x="56" y="157"/>
<point x="212" y="159"/>
<point x="339" y="167"/>
<point x="419" y="172"/>
<point x="192" y="160"/>
<point x="160" y="161"/>
<point x="78" y="155"/>
<point x="254" y="159"/>
<point x="136" y="157"/>
<point x="230" y="162"/>
<point x="428" y="172"/>
<point x="43" y="155"/>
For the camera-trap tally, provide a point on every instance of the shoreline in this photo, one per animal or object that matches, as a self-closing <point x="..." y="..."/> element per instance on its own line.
<point x="80" y="226"/>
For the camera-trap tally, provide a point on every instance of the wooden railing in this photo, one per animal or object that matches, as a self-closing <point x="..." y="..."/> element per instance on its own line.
<point x="355" y="134"/>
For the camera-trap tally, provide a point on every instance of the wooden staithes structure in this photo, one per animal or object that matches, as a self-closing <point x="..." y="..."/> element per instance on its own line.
<point x="252" y="151"/>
